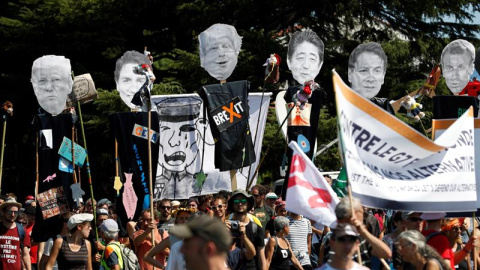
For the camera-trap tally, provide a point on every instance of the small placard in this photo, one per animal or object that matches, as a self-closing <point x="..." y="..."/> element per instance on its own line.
<point x="52" y="202"/>
<point x="229" y="114"/>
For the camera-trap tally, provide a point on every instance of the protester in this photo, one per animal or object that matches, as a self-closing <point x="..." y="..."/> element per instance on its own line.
<point x="270" y="199"/>
<point x="344" y="242"/>
<point x="193" y="203"/>
<point x="412" y="247"/>
<point x="239" y="204"/>
<point x="166" y="220"/>
<point x="278" y="251"/>
<point x="112" y="256"/>
<point x="104" y="204"/>
<point x="219" y="207"/>
<point x="206" y="243"/>
<point x="435" y="238"/>
<point x="451" y="228"/>
<point x="300" y="237"/>
<point x="182" y="215"/>
<point x="205" y="204"/>
<point x="175" y="205"/>
<point x="280" y="210"/>
<point x="142" y="238"/>
<point x="30" y="211"/>
<point x="13" y="239"/>
<point x="391" y="238"/>
<point x="63" y="232"/>
<point x="73" y="251"/>
<point x="413" y="221"/>
<point x="262" y="211"/>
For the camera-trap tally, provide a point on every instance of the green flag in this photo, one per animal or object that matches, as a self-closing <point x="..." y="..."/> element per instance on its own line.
<point x="340" y="184"/>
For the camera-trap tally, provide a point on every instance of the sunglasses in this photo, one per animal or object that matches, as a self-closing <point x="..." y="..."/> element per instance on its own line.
<point x="9" y="212"/>
<point x="458" y="229"/>
<point x="238" y="201"/>
<point x="220" y="206"/>
<point x="165" y="207"/>
<point x="414" y="219"/>
<point x="347" y="239"/>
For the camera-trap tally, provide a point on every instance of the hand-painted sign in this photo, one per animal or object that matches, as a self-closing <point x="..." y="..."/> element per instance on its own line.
<point x="141" y="131"/>
<point x="66" y="152"/>
<point x="229" y="114"/>
<point x="52" y="202"/>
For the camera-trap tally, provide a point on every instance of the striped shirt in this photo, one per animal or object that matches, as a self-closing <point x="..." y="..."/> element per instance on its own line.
<point x="298" y="236"/>
<point x="68" y="259"/>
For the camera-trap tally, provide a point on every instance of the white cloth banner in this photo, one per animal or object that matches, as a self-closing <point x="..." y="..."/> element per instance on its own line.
<point x="390" y="165"/>
<point x="181" y="151"/>
<point x="308" y="193"/>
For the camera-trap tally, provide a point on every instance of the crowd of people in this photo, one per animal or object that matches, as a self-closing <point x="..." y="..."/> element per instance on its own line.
<point x="236" y="230"/>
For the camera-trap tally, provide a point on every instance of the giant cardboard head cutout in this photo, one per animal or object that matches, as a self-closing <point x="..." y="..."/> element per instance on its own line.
<point x="305" y="56"/>
<point x="219" y="48"/>
<point x="128" y="83"/>
<point x="366" y="69"/>
<point x="458" y="64"/>
<point x="52" y="82"/>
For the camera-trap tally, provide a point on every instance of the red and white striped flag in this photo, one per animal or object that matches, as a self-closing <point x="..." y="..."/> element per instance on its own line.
<point x="308" y="193"/>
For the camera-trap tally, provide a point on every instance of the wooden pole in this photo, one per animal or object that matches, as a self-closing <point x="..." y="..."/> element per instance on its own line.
<point x="3" y="149"/>
<point x="474" y="247"/>
<point x="150" y="180"/>
<point x="350" y="197"/>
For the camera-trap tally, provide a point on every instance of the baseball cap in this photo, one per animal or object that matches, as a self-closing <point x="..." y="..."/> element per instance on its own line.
<point x="109" y="225"/>
<point x="207" y="228"/>
<point x="406" y="214"/>
<point x="344" y="229"/>
<point x="102" y="211"/>
<point x="271" y="195"/>
<point x="29" y="198"/>
<point x="78" y="219"/>
<point x="433" y="216"/>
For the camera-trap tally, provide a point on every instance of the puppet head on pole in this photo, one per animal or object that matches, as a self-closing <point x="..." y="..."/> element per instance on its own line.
<point x="52" y="82"/>
<point x="367" y="67"/>
<point x="458" y="64"/>
<point x="219" y="47"/>
<point x="305" y="55"/>
<point x="128" y="82"/>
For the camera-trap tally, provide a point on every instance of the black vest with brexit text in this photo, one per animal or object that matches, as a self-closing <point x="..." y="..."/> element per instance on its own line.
<point x="227" y="106"/>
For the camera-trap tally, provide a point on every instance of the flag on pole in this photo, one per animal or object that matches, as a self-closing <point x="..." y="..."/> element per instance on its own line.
<point x="340" y="184"/>
<point x="308" y="193"/>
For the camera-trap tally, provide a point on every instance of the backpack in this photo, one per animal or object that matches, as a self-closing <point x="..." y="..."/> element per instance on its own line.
<point x="21" y="234"/>
<point x="130" y="260"/>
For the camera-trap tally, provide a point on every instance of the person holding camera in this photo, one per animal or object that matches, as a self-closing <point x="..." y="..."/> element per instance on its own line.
<point x="278" y="251"/>
<point x="238" y="205"/>
<point x="245" y="252"/>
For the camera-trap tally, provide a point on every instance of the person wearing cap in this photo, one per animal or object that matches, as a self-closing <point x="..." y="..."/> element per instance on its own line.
<point x="412" y="220"/>
<point x="344" y="242"/>
<point x="206" y="242"/>
<point x="369" y="244"/>
<point x="262" y="211"/>
<point x="238" y="205"/>
<point x="14" y="250"/>
<point x="112" y="256"/>
<point x="142" y="239"/>
<point x="175" y="205"/>
<point x="102" y="215"/>
<point x="104" y="203"/>
<point x="73" y="251"/>
<point x="270" y="199"/>
<point x="63" y="221"/>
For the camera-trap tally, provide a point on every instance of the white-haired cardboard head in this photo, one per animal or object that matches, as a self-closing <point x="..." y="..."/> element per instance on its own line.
<point x="52" y="82"/>
<point x="458" y="64"/>
<point x="219" y="47"/>
<point x="305" y="55"/>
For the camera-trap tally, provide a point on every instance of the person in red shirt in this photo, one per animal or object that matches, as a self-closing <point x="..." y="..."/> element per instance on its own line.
<point x="30" y="211"/>
<point x="10" y="239"/>
<point x="142" y="239"/>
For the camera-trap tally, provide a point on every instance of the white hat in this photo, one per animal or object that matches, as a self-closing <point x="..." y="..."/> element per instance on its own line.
<point x="175" y="203"/>
<point x="271" y="195"/>
<point x="433" y="216"/>
<point x="78" y="219"/>
<point x="102" y="211"/>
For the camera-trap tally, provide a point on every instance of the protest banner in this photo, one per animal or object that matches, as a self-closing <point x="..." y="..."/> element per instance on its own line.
<point x="390" y="165"/>
<point x="308" y="193"/>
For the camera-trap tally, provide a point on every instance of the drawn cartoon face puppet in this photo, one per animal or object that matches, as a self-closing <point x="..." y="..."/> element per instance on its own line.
<point x="219" y="48"/>
<point x="458" y="64"/>
<point x="128" y="83"/>
<point x="305" y="55"/>
<point x="178" y="140"/>
<point x="52" y="82"/>
<point x="366" y="69"/>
